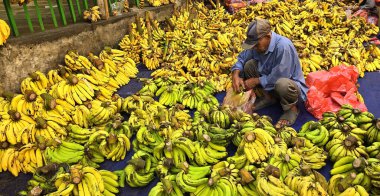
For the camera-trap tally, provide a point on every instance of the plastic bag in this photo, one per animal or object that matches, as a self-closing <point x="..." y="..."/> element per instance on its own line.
<point x="234" y="5"/>
<point x="240" y="101"/>
<point x="361" y="13"/>
<point x="329" y="90"/>
<point x="373" y="19"/>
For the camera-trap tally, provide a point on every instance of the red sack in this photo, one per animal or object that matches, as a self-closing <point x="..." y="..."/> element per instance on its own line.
<point x="329" y="90"/>
<point x="361" y="13"/>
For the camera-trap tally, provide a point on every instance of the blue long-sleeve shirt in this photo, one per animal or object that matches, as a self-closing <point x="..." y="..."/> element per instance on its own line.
<point x="279" y="61"/>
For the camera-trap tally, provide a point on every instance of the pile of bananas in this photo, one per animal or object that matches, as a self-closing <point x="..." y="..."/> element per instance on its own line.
<point x="5" y="31"/>
<point x="57" y="179"/>
<point x="92" y="15"/>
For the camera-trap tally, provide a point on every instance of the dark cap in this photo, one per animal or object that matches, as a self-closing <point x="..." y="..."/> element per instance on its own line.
<point x="256" y="30"/>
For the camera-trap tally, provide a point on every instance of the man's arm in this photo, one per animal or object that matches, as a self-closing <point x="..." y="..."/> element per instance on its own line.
<point x="238" y="82"/>
<point x="241" y="60"/>
<point x="283" y="68"/>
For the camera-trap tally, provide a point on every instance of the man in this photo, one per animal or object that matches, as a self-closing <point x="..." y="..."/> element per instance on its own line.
<point x="270" y="61"/>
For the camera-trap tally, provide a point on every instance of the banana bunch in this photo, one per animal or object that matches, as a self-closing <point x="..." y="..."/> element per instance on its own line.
<point x="286" y="134"/>
<point x="169" y="95"/>
<point x="303" y="176"/>
<point x="240" y="161"/>
<point x="352" y="179"/>
<point x="139" y="118"/>
<point x="36" y="81"/>
<point x="81" y="180"/>
<point x="217" y="185"/>
<point x="149" y="141"/>
<point x="47" y="106"/>
<point x="112" y="146"/>
<point x="315" y="132"/>
<point x="167" y="186"/>
<point x="269" y="184"/>
<point x="347" y="165"/>
<point x="25" y="159"/>
<point x="111" y="182"/>
<point x="118" y="127"/>
<point x="5" y="32"/>
<point x="207" y="103"/>
<point x="348" y="112"/>
<point x="24" y="103"/>
<point x="92" y="15"/>
<point x="373" y="150"/>
<point x="5" y="101"/>
<point x="340" y="185"/>
<point x="192" y="97"/>
<point x="209" y="154"/>
<point x="218" y="116"/>
<point x="230" y="172"/>
<point x="157" y="3"/>
<point x="149" y="86"/>
<point x="119" y="65"/>
<point x="371" y="126"/>
<point x="373" y="171"/>
<point x="133" y="102"/>
<point x="79" y="134"/>
<point x="358" y="133"/>
<point x="312" y="155"/>
<point x="130" y="42"/>
<point x="75" y="61"/>
<point x="331" y="121"/>
<point x="189" y="180"/>
<point x="350" y="146"/>
<point x="81" y="116"/>
<point x="217" y="135"/>
<point x="74" y="90"/>
<point x="56" y="75"/>
<point x="102" y="112"/>
<point x="14" y="127"/>
<point x="66" y="152"/>
<point x="257" y="145"/>
<point x="285" y="162"/>
<point x="247" y="189"/>
<point x="140" y="169"/>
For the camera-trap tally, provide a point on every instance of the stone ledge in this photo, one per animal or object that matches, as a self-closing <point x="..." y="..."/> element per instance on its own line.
<point x="75" y="29"/>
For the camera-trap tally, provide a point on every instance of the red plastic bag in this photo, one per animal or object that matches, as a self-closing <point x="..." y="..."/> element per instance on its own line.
<point x="361" y="13"/>
<point x="329" y="90"/>
<point x="234" y="5"/>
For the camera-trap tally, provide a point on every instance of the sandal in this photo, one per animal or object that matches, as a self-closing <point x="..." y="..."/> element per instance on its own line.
<point x="263" y="103"/>
<point x="290" y="116"/>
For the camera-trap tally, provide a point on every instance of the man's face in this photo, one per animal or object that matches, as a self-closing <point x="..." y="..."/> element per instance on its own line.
<point x="262" y="44"/>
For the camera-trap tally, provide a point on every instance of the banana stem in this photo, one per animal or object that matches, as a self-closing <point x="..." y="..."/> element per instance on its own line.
<point x="41" y="123"/>
<point x="75" y="175"/>
<point x="14" y="115"/>
<point x="34" y="76"/>
<point x="167" y="185"/>
<point x="36" y="191"/>
<point x="49" y="101"/>
<point x="138" y="25"/>
<point x="378" y="123"/>
<point x="246" y="176"/>
<point x="73" y="79"/>
<point x="138" y="163"/>
<point x="255" y="116"/>
<point x="4" y="145"/>
<point x="30" y="95"/>
<point x="8" y="95"/>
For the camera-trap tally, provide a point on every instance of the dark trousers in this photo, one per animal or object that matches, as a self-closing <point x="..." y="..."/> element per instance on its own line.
<point x="286" y="90"/>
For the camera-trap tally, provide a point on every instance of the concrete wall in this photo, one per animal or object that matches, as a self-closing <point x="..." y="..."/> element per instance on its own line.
<point x="44" y="51"/>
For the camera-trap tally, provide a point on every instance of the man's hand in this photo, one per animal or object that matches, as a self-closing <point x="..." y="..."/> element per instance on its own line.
<point x="251" y="83"/>
<point x="237" y="81"/>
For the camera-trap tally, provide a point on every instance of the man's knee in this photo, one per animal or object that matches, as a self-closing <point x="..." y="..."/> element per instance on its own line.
<point x="250" y="69"/>
<point x="285" y="86"/>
